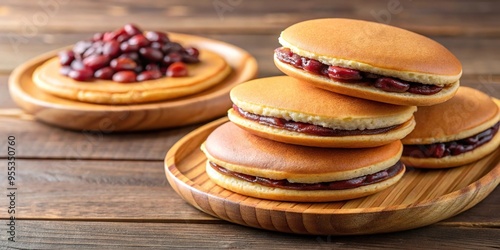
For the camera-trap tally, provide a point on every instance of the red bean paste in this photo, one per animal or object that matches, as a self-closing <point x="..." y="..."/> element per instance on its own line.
<point x="346" y="75"/>
<point x="332" y="185"/>
<point x="307" y="128"/>
<point x="443" y="149"/>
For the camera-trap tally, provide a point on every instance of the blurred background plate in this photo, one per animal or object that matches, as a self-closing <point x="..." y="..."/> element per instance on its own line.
<point x="204" y="106"/>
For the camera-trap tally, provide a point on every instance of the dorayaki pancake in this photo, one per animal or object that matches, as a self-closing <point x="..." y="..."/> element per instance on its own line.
<point x="211" y="70"/>
<point x="373" y="48"/>
<point x="459" y="131"/>
<point x="288" y="110"/>
<point x="258" y="167"/>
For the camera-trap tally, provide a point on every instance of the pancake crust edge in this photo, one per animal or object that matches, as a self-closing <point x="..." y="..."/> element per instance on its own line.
<point x="293" y="99"/>
<point x="263" y="192"/>
<point x="468" y="113"/>
<point x="457" y="160"/>
<point x="373" y="47"/>
<point x="297" y="138"/>
<point x="237" y="150"/>
<point x="368" y="92"/>
<point x="210" y="71"/>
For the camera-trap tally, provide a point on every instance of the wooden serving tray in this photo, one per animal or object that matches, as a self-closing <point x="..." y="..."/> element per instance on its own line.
<point x="420" y="198"/>
<point x="201" y="107"/>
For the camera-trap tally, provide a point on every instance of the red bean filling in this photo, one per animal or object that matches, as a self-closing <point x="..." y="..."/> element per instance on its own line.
<point x="439" y="150"/>
<point x="332" y="185"/>
<point x="345" y="75"/>
<point x="127" y="55"/>
<point x="307" y="128"/>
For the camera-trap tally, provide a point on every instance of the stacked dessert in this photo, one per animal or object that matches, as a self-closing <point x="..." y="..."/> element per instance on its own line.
<point x="288" y="140"/>
<point x="391" y="65"/>
<point x="331" y="130"/>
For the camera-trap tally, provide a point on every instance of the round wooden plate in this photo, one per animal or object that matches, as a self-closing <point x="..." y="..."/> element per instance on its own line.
<point x="204" y="106"/>
<point x="420" y="198"/>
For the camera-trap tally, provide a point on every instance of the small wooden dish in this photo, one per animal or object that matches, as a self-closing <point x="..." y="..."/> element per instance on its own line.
<point x="201" y="107"/>
<point x="420" y="198"/>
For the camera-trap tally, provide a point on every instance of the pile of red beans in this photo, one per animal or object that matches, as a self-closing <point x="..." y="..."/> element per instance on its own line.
<point x="127" y="55"/>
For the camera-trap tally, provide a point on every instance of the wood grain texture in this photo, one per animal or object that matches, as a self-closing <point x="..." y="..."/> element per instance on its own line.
<point x="420" y="198"/>
<point x="6" y="101"/>
<point x="97" y="190"/>
<point x="444" y="17"/>
<point x="38" y="140"/>
<point x="122" y="235"/>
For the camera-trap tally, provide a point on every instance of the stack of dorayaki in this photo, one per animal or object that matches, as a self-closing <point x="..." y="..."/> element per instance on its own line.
<point x="334" y="128"/>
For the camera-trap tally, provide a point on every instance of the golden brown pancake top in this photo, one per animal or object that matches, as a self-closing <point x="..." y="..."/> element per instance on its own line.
<point x="231" y="144"/>
<point x="291" y="94"/>
<point x="468" y="109"/>
<point x="372" y="43"/>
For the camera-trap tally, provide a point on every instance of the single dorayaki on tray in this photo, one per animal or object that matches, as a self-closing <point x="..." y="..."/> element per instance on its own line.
<point x="289" y="110"/>
<point x="369" y="60"/>
<point x="262" y="168"/>
<point x="461" y="130"/>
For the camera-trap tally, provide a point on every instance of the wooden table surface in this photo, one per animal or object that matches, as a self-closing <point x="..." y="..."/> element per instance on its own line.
<point x="108" y="191"/>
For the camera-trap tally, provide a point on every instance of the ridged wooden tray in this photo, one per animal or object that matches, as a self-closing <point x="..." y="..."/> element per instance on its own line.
<point x="422" y="197"/>
<point x="207" y="105"/>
